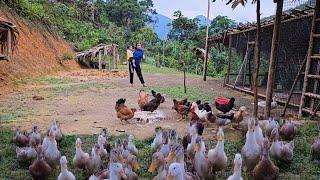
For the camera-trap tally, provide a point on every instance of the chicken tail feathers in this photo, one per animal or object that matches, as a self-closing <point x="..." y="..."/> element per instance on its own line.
<point x="120" y="101"/>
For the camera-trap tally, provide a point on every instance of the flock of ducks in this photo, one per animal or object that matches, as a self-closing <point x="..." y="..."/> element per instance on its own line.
<point x="190" y="159"/>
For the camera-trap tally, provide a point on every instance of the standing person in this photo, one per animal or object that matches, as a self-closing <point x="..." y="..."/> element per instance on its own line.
<point x="138" y="54"/>
<point x="130" y="62"/>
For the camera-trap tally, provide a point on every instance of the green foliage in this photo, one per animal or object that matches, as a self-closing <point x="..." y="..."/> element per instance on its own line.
<point x="67" y="56"/>
<point x="183" y="28"/>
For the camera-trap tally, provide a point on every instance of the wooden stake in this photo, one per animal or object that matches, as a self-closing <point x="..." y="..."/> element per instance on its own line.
<point x="9" y="45"/>
<point x="229" y="58"/>
<point x="257" y="62"/>
<point x="100" y="63"/>
<point x="273" y="57"/>
<point x="205" y="67"/>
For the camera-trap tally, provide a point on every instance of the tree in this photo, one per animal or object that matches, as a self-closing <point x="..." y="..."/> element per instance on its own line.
<point x="131" y="14"/>
<point x="183" y="28"/>
<point x="257" y="50"/>
<point x="221" y="23"/>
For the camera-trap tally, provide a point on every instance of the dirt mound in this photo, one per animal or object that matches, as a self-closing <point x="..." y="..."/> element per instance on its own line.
<point x="38" y="52"/>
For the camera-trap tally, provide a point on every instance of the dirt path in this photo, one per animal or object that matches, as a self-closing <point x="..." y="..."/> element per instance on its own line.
<point x="86" y="104"/>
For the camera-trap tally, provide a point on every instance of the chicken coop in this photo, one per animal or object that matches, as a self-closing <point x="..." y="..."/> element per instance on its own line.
<point x="100" y="57"/>
<point x="298" y="21"/>
<point x="8" y="39"/>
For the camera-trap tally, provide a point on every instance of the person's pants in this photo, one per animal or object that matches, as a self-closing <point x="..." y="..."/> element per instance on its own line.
<point x="139" y="73"/>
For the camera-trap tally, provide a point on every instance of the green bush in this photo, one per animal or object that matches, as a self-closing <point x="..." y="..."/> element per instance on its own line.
<point x="67" y="56"/>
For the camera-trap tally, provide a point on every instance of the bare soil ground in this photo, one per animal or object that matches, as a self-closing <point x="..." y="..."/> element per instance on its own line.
<point x="84" y="102"/>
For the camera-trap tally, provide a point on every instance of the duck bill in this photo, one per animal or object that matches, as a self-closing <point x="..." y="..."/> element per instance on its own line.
<point x="169" y="176"/>
<point x="122" y="174"/>
<point x="220" y="138"/>
<point x="152" y="167"/>
<point x="236" y="167"/>
<point x="136" y="166"/>
<point x="170" y="157"/>
<point x="65" y="165"/>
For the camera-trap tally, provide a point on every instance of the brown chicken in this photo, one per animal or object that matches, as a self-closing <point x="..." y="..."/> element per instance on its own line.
<point x="143" y="98"/>
<point x="123" y="112"/>
<point x="181" y="108"/>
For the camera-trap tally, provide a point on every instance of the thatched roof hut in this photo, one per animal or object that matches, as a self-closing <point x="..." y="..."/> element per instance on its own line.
<point x="8" y="39"/>
<point x="100" y="51"/>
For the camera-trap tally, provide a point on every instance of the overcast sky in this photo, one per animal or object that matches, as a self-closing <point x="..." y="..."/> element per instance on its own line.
<point x="192" y="8"/>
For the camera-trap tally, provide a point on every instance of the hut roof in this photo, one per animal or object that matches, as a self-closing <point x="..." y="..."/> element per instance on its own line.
<point x="287" y="16"/>
<point x="93" y="52"/>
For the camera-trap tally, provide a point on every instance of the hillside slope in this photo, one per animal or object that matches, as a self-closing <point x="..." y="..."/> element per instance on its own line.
<point x="38" y="52"/>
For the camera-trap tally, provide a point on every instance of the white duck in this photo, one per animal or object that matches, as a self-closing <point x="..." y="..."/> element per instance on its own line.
<point x="55" y="127"/>
<point x="52" y="154"/>
<point x="258" y="133"/>
<point x="165" y="148"/>
<point x="272" y="123"/>
<point x="157" y="141"/>
<point x="217" y="156"/>
<point x="104" y="153"/>
<point x="35" y="135"/>
<point x="65" y="174"/>
<point x="94" y="164"/>
<point x="117" y="172"/>
<point x="26" y="154"/>
<point x="80" y="158"/>
<point x="251" y="150"/>
<point x="45" y="141"/>
<point x="202" y="164"/>
<point x="237" y="168"/>
<point x="131" y="146"/>
<point x="274" y="103"/>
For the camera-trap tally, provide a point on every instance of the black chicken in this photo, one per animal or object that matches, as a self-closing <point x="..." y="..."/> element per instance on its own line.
<point x="225" y="107"/>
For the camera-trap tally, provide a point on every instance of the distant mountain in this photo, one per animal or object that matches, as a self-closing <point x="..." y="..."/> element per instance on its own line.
<point x="202" y="20"/>
<point x="160" y="26"/>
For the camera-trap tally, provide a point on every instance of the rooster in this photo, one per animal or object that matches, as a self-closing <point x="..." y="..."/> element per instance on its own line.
<point x="123" y="112"/>
<point x="154" y="94"/>
<point x="143" y="98"/>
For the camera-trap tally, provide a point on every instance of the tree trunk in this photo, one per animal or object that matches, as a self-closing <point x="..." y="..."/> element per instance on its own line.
<point x="257" y="63"/>
<point x="273" y="57"/>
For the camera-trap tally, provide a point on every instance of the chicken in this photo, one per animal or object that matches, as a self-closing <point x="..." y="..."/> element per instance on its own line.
<point x="123" y="112"/>
<point x="225" y="107"/>
<point x="181" y="109"/>
<point x="143" y="98"/>
<point x="155" y="94"/>
<point x="203" y="106"/>
<point x="154" y="103"/>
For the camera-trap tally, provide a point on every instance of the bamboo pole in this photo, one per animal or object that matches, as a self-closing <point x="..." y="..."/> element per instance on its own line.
<point x="229" y="58"/>
<point x="205" y="67"/>
<point x="273" y="57"/>
<point x="257" y="62"/>
<point x="9" y="45"/>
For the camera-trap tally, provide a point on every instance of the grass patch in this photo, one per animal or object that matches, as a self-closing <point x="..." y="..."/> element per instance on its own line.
<point x="41" y="80"/>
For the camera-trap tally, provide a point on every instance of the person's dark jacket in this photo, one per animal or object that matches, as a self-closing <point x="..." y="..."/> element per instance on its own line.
<point x="137" y="56"/>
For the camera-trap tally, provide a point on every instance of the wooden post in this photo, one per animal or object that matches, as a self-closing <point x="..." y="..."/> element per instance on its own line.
<point x="229" y="58"/>
<point x="114" y="56"/>
<point x="273" y="57"/>
<point x="100" y="62"/>
<point x="9" y="45"/>
<point x="257" y="62"/>
<point x="205" y="66"/>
